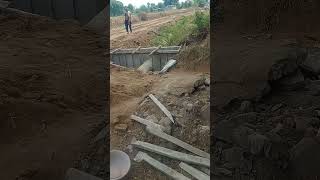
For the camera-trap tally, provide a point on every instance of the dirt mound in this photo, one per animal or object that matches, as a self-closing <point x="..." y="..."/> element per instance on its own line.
<point x="195" y="57"/>
<point x="43" y="60"/>
<point x="128" y="84"/>
<point x="51" y="75"/>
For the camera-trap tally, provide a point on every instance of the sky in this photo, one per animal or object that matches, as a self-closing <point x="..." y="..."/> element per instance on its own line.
<point x="138" y="3"/>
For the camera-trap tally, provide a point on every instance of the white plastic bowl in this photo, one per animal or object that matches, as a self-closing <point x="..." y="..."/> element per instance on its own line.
<point x="119" y="164"/>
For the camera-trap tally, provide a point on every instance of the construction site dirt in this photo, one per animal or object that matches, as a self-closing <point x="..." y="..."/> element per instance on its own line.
<point x="183" y="91"/>
<point x="265" y="91"/>
<point x="53" y="94"/>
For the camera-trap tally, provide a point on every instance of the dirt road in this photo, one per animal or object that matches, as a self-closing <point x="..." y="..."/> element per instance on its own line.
<point x="142" y="31"/>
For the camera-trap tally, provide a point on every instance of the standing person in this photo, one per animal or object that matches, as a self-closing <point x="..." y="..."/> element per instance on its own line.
<point x="127" y="20"/>
<point x="130" y="21"/>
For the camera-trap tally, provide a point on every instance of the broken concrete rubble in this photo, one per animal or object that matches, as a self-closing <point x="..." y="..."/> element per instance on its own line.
<point x="312" y="62"/>
<point x="245" y="106"/>
<point x="178" y="142"/>
<point x="304" y="158"/>
<point x="141" y="156"/>
<point x="146" y="66"/>
<point x="197" y="160"/>
<point x="121" y="127"/>
<point x="161" y="106"/>
<point x="146" y="122"/>
<point x="74" y="174"/>
<point x="194" y="172"/>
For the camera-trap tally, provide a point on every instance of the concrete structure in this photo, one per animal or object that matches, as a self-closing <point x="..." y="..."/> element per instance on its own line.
<point x="82" y="10"/>
<point x="135" y="57"/>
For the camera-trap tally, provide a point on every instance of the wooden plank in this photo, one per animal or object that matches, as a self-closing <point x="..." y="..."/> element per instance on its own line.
<point x="164" y="109"/>
<point x="141" y="156"/>
<point x="197" y="160"/>
<point x="194" y="172"/>
<point x="178" y="142"/>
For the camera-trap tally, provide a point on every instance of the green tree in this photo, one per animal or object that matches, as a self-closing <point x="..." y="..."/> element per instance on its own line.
<point x="170" y="2"/>
<point x="153" y="7"/>
<point x="130" y="7"/>
<point x="116" y="8"/>
<point x="200" y="3"/>
<point x="161" y="5"/>
<point x="143" y="8"/>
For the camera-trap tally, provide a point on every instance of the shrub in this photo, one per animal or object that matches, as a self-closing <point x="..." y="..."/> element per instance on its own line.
<point x="143" y="16"/>
<point x="202" y="21"/>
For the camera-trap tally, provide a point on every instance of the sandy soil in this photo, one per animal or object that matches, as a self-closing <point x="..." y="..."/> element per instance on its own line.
<point x="52" y="81"/>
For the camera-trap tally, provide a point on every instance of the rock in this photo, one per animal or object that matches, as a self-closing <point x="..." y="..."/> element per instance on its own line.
<point x="240" y="136"/>
<point x="152" y="118"/>
<point x="222" y="172"/>
<point x="167" y="124"/>
<point x="263" y="89"/>
<point x="205" y="113"/>
<point x="130" y="148"/>
<point x="121" y="127"/>
<point x="258" y="143"/>
<point x="189" y="107"/>
<point x="283" y="68"/>
<point x="233" y="156"/>
<point x="293" y="81"/>
<point x="312" y="62"/>
<point x="199" y="82"/>
<point x="207" y="82"/>
<point x="223" y="129"/>
<point x="245" y="106"/>
<point x="317" y="113"/>
<point x="302" y="123"/>
<point x="146" y="66"/>
<point x="250" y="117"/>
<point x="276" y="107"/>
<point x="204" y="130"/>
<point x="74" y="174"/>
<point x="314" y="87"/>
<point x="305" y="157"/>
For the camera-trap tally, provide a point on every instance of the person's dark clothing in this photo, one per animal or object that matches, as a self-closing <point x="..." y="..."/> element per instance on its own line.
<point x="127" y="22"/>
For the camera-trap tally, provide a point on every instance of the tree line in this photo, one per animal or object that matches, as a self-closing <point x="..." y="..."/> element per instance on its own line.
<point x="117" y="7"/>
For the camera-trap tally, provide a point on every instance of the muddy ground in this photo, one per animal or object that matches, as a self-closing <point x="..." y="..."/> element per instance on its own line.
<point x="52" y="92"/>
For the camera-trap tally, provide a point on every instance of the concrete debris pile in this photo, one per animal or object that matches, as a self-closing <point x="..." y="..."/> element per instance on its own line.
<point x="168" y="131"/>
<point x="276" y="137"/>
<point x="163" y="130"/>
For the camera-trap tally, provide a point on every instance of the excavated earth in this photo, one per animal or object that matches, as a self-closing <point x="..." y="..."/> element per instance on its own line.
<point x="266" y="95"/>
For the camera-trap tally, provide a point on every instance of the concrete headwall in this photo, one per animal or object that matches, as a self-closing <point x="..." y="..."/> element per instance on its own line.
<point x="82" y="10"/>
